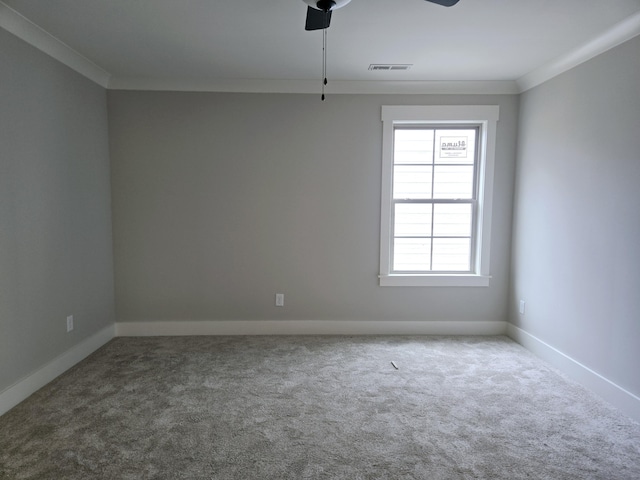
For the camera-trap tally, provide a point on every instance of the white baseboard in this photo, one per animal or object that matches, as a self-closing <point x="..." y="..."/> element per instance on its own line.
<point x="625" y="401"/>
<point x="617" y="396"/>
<point x="307" y="327"/>
<point x="18" y="392"/>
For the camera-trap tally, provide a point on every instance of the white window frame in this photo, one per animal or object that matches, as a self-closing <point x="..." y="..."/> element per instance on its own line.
<point x="484" y="116"/>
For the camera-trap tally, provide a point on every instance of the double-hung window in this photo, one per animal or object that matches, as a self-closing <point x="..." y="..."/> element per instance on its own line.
<point x="436" y="195"/>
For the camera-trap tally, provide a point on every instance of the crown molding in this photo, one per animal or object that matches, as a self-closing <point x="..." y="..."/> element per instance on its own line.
<point x="334" y="87"/>
<point x="618" y="34"/>
<point x="36" y="36"/>
<point x="26" y="30"/>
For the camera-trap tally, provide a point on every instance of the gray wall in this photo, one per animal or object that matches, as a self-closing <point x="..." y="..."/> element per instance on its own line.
<point x="222" y="200"/>
<point x="55" y="214"/>
<point x="576" y="249"/>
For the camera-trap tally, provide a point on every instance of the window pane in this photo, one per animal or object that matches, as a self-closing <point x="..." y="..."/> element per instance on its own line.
<point x="412" y="220"/>
<point x="411" y="254"/>
<point x="452" y="254"/>
<point x="413" y="146"/>
<point x="452" y="220"/>
<point x="455" y="146"/>
<point x="412" y="182"/>
<point x="454" y="182"/>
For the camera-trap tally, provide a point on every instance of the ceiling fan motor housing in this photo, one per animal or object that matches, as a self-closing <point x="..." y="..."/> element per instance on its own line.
<point x="326" y="5"/>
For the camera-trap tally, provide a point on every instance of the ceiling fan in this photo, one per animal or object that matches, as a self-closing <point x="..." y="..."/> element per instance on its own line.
<point x="319" y="11"/>
<point x="319" y="18"/>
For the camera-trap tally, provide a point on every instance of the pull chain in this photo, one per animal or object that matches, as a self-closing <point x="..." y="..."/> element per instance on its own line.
<point x="324" y="58"/>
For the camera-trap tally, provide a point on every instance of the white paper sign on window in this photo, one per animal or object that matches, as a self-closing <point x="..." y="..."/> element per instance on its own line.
<point x="454" y="147"/>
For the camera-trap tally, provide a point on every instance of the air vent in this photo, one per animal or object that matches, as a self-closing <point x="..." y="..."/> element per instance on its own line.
<point x="389" y="67"/>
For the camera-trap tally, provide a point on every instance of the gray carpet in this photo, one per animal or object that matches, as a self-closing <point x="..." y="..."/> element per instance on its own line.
<point x="316" y="408"/>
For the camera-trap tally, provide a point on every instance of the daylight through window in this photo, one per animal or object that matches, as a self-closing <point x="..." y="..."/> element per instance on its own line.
<point x="434" y="198"/>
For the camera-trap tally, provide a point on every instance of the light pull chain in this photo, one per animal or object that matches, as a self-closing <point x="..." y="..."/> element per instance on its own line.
<point x="324" y="58"/>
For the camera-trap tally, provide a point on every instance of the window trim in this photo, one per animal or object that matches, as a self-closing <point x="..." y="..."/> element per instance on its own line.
<point x="486" y="116"/>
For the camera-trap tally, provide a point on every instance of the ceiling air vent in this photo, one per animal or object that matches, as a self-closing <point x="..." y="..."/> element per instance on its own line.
<point x="389" y="67"/>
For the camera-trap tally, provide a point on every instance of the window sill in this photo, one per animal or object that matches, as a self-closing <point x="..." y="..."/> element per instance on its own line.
<point x="451" y="280"/>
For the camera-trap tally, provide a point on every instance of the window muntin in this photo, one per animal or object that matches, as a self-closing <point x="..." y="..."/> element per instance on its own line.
<point x="434" y="198"/>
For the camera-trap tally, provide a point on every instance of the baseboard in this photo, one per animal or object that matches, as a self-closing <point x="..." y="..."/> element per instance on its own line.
<point x="625" y="401"/>
<point x="18" y="392"/>
<point x="308" y="327"/>
<point x="617" y="396"/>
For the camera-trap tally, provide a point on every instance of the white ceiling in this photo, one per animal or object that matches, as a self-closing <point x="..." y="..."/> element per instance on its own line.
<point x="242" y="44"/>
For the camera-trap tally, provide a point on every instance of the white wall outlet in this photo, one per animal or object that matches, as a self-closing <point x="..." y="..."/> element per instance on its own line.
<point x="279" y="299"/>
<point x="69" y="323"/>
<point x="521" y="308"/>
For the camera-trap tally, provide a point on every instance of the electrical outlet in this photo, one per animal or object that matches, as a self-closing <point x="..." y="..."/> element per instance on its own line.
<point x="69" y="323"/>
<point x="279" y="299"/>
<point x="521" y="308"/>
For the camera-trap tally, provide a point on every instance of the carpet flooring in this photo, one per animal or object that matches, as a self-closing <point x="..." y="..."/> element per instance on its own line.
<point x="314" y="407"/>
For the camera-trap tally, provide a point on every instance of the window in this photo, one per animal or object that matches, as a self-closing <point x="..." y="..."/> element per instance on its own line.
<point x="436" y="195"/>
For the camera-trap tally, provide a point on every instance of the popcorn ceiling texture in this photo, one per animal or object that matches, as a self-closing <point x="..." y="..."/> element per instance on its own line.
<point x="316" y="408"/>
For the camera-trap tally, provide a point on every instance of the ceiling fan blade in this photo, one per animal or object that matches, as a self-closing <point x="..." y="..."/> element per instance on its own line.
<point x="444" y="3"/>
<point x="317" y="19"/>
